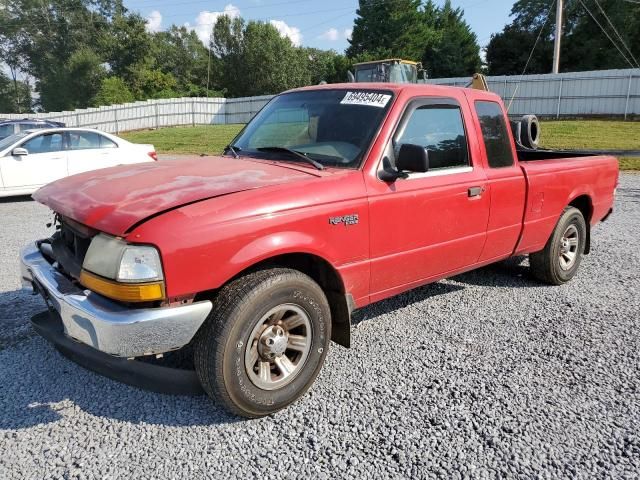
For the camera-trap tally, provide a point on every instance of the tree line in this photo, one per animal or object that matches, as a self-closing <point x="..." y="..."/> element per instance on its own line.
<point x="585" y="45"/>
<point x="80" y="53"/>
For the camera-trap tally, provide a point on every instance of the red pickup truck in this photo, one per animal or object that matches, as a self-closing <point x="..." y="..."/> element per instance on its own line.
<point x="331" y="198"/>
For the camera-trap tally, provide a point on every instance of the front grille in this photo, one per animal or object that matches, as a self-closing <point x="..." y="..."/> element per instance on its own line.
<point x="70" y="244"/>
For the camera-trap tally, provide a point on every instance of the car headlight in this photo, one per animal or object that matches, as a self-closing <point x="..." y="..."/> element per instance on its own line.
<point x="118" y="270"/>
<point x="139" y="264"/>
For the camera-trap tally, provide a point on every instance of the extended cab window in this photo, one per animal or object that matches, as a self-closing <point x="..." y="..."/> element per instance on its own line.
<point x="438" y="128"/>
<point x="494" y="134"/>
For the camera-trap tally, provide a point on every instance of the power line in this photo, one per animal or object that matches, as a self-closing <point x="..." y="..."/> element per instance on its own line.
<point x="617" y="33"/>
<point x="546" y="18"/>
<point x="88" y="22"/>
<point x="606" y="33"/>
<point x="241" y="9"/>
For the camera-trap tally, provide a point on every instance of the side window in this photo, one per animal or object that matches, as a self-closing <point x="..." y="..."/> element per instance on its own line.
<point x="106" y="143"/>
<point x="49" y="142"/>
<point x="494" y="134"/>
<point x="438" y="128"/>
<point x="6" y="130"/>
<point x="83" y="140"/>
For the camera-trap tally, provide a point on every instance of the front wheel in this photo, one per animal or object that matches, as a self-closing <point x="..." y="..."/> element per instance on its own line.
<point x="265" y="341"/>
<point x="558" y="262"/>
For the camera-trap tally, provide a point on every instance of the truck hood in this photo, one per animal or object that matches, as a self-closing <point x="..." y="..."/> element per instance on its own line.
<point x="115" y="199"/>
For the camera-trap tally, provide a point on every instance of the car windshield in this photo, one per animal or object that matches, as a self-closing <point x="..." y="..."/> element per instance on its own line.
<point x="331" y="127"/>
<point x="10" y="140"/>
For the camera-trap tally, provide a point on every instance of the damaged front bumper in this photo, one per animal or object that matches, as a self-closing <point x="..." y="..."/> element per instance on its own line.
<point x="105" y="325"/>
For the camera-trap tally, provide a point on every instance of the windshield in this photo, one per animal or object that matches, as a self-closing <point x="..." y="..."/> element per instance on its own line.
<point x="332" y="127"/>
<point x="10" y="140"/>
<point x="403" y="73"/>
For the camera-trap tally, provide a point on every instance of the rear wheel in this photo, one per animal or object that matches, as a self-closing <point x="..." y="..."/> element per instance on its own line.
<point x="558" y="262"/>
<point x="265" y="341"/>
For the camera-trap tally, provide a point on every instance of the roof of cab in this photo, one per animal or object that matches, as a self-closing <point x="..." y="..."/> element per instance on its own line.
<point x="426" y="89"/>
<point x="399" y="60"/>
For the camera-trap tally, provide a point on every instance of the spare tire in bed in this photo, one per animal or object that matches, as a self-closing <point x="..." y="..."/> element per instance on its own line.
<point x="530" y="131"/>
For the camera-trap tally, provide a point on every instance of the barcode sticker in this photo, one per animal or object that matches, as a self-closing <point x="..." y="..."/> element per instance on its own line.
<point x="371" y="99"/>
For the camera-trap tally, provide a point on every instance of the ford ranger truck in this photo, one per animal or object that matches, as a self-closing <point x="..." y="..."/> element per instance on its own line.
<point x="331" y="198"/>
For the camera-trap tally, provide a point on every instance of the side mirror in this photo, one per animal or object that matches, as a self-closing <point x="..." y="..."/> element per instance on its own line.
<point x="411" y="158"/>
<point x="19" y="152"/>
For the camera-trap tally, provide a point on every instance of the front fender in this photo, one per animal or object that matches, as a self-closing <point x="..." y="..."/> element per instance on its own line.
<point x="275" y="244"/>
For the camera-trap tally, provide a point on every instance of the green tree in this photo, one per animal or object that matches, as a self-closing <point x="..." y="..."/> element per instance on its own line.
<point x="73" y="84"/>
<point x="454" y="49"/>
<point x="15" y="95"/>
<point x="255" y="59"/>
<point x="385" y="29"/>
<point x="584" y="45"/>
<point x="413" y="30"/>
<point x="180" y="52"/>
<point x="126" y="43"/>
<point x="113" y="91"/>
<point x="326" y="65"/>
<point x="148" y="82"/>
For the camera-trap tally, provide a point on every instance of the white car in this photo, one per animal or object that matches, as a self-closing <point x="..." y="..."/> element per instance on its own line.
<point x="33" y="158"/>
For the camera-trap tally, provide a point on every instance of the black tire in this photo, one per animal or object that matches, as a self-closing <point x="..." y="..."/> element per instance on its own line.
<point x="221" y="345"/>
<point x="547" y="264"/>
<point x="530" y="131"/>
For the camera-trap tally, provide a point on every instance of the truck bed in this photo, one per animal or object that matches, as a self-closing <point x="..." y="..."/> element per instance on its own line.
<point x="527" y="155"/>
<point x="555" y="178"/>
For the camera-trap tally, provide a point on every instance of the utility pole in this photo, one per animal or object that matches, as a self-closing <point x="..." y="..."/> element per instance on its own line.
<point x="556" y="44"/>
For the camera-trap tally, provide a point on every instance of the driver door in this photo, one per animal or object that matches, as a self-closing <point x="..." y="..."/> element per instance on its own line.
<point x="45" y="162"/>
<point x="429" y="224"/>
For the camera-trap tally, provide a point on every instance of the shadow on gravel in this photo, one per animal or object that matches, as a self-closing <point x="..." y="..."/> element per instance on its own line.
<point x="38" y="384"/>
<point x="629" y="195"/>
<point x="45" y="387"/>
<point x="513" y="272"/>
<point x="416" y="295"/>
<point x="16" y="199"/>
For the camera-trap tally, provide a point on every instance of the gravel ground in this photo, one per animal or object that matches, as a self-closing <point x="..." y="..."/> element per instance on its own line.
<point x="485" y="375"/>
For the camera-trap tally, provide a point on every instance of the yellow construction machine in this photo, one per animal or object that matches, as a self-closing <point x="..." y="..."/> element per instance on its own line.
<point x="398" y="70"/>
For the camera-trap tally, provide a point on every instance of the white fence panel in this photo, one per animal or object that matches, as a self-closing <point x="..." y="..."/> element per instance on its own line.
<point x="603" y="92"/>
<point x="606" y="92"/>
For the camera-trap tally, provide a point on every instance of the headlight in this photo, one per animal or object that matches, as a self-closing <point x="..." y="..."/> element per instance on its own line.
<point x="139" y="264"/>
<point x="115" y="269"/>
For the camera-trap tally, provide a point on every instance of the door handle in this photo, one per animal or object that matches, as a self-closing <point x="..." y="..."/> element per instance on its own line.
<point x="475" y="191"/>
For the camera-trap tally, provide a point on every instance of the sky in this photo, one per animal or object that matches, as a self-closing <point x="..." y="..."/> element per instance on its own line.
<point x="322" y="24"/>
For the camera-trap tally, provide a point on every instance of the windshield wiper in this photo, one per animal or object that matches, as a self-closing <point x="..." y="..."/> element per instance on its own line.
<point x="301" y="155"/>
<point x="233" y="149"/>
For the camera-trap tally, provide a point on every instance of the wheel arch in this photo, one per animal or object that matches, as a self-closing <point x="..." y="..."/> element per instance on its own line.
<point x="324" y="274"/>
<point x="584" y="203"/>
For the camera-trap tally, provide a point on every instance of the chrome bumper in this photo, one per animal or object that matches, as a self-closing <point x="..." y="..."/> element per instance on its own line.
<point x="107" y="325"/>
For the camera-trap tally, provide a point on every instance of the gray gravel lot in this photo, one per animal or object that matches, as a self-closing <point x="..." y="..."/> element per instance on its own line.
<point x="485" y="375"/>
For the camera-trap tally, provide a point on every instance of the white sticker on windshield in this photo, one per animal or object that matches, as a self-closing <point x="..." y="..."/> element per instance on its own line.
<point x="370" y="99"/>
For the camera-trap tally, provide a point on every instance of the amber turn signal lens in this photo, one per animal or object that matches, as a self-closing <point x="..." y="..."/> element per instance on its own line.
<point x="124" y="292"/>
